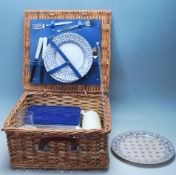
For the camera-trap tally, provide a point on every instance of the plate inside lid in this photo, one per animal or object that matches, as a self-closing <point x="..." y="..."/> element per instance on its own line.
<point x="78" y="51"/>
<point x="143" y="147"/>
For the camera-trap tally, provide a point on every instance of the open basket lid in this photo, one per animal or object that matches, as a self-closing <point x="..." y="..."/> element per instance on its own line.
<point x="104" y="16"/>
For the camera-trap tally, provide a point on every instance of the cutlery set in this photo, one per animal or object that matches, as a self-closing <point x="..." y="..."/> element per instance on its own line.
<point x="52" y="25"/>
<point x="40" y="26"/>
<point x="41" y="48"/>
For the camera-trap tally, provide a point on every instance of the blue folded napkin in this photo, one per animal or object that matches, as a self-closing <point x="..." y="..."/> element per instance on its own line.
<point x="48" y="115"/>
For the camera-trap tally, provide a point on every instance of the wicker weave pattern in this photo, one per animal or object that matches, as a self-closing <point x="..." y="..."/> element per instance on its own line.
<point x="105" y="16"/>
<point x="68" y="149"/>
<point x="93" y="154"/>
<point x="93" y="143"/>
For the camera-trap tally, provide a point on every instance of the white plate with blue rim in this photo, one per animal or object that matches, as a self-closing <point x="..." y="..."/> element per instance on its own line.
<point x="143" y="147"/>
<point x="78" y="51"/>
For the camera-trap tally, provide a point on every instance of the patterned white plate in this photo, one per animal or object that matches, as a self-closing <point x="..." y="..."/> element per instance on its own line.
<point x="77" y="50"/>
<point x="142" y="147"/>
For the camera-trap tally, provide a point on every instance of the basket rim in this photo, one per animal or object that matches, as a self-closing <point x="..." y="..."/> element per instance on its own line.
<point x="56" y="131"/>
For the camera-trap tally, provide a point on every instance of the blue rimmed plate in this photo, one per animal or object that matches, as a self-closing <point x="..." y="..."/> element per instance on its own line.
<point x="79" y="52"/>
<point x="143" y="147"/>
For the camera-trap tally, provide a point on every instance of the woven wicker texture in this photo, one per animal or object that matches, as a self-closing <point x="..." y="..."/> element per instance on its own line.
<point x="105" y="17"/>
<point x="49" y="148"/>
<point x="93" y="144"/>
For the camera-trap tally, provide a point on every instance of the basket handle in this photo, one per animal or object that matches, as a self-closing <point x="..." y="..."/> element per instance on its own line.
<point x="43" y="144"/>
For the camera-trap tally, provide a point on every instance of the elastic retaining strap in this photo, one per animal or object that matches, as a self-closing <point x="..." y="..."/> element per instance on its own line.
<point x="57" y="68"/>
<point x="65" y="59"/>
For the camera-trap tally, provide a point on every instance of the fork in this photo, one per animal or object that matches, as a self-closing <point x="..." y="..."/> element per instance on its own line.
<point x="80" y="24"/>
<point x="43" y="26"/>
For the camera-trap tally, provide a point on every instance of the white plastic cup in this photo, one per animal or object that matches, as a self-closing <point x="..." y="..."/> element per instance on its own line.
<point x="91" y="120"/>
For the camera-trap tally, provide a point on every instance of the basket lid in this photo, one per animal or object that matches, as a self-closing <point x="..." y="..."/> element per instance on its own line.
<point x="104" y="16"/>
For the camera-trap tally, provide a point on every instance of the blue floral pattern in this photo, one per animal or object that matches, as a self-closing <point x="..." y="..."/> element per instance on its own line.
<point x="66" y="75"/>
<point x="143" y="147"/>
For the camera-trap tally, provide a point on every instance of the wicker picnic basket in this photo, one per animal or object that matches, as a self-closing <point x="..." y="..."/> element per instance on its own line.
<point x="49" y="148"/>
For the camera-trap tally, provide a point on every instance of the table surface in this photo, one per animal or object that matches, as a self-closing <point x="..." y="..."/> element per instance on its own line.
<point x="151" y="115"/>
